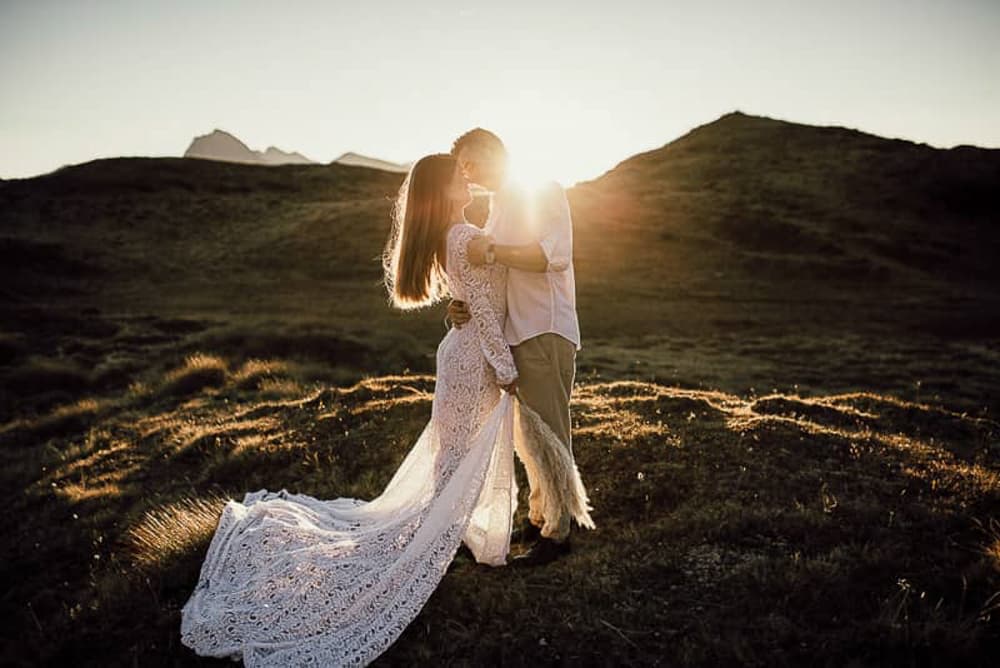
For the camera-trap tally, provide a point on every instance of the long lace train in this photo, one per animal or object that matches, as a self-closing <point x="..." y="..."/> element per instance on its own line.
<point x="293" y="580"/>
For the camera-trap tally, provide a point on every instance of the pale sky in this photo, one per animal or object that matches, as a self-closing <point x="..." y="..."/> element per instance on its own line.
<point x="572" y="87"/>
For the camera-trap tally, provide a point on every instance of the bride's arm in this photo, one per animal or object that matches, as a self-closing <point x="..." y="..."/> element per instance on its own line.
<point x="476" y="284"/>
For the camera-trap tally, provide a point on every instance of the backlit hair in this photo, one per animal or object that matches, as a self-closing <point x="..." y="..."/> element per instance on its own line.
<point x="481" y="142"/>
<point x="414" y="255"/>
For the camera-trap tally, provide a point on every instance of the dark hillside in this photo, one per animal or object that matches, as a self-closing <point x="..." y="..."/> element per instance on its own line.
<point x="785" y="410"/>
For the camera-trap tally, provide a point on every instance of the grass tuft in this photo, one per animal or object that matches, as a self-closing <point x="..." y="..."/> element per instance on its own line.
<point x="254" y="371"/>
<point x="169" y="532"/>
<point x="199" y="371"/>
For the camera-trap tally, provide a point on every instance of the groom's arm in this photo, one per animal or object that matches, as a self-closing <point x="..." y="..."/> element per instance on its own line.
<point x="551" y="253"/>
<point x="529" y="257"/>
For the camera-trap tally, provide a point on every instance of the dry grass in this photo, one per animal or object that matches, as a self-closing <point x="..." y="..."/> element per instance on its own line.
<point x="168" y="532"/>
<point x="280" y="387"/>
<point x="254" y="371"/>
<point x="63" y="419"/>
<point x="198" y="372"/>
<point x="991" y="534"/>
<point x="730" y="529"/>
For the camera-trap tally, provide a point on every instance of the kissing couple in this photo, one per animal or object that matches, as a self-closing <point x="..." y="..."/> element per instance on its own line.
<point x="292" y="580"/>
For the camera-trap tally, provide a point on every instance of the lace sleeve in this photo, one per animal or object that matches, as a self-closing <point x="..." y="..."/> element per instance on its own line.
<point x="476" y="286"/>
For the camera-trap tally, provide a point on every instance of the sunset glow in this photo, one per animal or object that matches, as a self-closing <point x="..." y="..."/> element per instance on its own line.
<point x="573" y="88"/>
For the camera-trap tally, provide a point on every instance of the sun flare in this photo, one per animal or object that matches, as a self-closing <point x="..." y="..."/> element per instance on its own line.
<point x="529" y="172"/>
<point x="538" y="154"/>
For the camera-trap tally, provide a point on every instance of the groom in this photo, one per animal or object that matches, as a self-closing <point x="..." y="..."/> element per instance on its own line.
<point x="532" y="234"/>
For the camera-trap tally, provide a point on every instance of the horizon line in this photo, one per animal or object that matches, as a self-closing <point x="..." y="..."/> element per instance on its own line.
<point x="342" y="153"/>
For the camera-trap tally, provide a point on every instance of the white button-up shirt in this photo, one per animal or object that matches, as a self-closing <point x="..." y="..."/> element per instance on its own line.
<point x="537" y="302"/>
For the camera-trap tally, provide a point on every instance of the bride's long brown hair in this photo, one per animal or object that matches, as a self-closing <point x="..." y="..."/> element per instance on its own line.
<point x="414" y="256"/>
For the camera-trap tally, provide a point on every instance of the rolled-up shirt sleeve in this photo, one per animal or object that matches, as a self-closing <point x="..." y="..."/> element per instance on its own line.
<point x="555" y="227"/>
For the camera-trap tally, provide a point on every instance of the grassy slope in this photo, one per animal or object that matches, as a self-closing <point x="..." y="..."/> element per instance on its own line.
<point x="767" y="527"/>
<point x="750" y="253"/>
<point x="759" y="531"/>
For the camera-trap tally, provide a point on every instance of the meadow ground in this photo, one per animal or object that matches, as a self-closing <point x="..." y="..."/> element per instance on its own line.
<point x="785" y="410"/>
<point x="848" y="521"/>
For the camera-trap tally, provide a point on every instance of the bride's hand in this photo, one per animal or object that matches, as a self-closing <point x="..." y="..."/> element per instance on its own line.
<point x="510" y="389"/>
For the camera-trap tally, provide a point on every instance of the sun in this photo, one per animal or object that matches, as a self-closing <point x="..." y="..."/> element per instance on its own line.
<point x="537" y="156"/>
<point x="548" y="141"/>
<point x="527" y="173"/>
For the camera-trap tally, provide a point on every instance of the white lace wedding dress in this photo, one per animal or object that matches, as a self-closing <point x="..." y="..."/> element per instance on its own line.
<point x="292" y="580"/>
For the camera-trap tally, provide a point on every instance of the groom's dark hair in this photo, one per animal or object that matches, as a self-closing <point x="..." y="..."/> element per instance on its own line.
<point x="480" y="139"/>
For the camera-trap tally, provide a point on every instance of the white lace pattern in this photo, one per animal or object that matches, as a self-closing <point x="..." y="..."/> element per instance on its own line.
<point x="291" y="580"/>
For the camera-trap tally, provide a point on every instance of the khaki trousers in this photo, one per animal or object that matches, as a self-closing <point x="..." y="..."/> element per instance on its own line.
<point x="546" y="366"/>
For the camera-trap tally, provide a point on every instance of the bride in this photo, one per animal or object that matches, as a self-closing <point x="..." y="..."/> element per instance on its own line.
<point x="292" y="580"/>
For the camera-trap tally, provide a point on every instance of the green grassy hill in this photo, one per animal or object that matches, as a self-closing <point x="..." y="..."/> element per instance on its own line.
<point x="785" y="407"/>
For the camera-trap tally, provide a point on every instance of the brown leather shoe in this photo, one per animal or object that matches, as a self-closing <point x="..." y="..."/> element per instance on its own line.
<point x="542" y="552"/>
<point x="525" y="533"/>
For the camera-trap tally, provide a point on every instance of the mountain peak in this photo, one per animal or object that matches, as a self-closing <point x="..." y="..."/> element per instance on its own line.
<point x="357" y="160"/>
<point x="224" y="146"/>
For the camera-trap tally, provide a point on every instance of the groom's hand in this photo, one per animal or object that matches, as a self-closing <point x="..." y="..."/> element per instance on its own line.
<point x="477" y="249"/>
<point x="458" y="313"/>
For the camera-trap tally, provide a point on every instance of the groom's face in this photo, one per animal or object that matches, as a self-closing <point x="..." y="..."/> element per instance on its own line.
<point x="469" y="166"/>
<point x="479" y="169"/>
